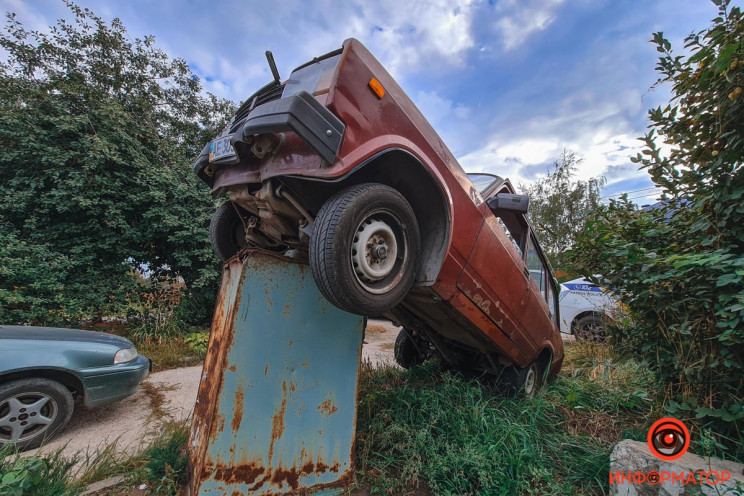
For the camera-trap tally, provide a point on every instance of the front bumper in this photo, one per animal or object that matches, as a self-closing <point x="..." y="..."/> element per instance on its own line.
<point x="105" y="385"/>
<point x="300" y="113"/>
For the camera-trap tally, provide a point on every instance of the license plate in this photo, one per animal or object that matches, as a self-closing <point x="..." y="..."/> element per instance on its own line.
<point x="221" y="148"/>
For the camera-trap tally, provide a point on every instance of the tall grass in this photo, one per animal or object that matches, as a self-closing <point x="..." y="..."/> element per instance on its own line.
<point x="431" y="427"/>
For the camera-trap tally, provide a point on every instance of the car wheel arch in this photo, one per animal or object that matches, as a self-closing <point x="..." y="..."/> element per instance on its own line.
<point x="65" y="377"/>
<point x="403" y="171"/>
<point x="545" y="359"/>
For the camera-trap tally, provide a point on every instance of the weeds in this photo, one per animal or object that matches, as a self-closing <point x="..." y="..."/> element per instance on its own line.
<point x="167" y="460"/>
<point x="460" y="436"/>
<point x="50" y="475"/>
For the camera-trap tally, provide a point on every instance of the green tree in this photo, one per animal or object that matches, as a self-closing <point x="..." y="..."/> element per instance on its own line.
<point x="97" y="134"/>
<point x="559" y="205"/>
<point x="680" y="268"/>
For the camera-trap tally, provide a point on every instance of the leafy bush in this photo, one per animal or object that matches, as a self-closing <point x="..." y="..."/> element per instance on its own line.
<point x="198" y="342"/>
<point x="680" y="267"/>
<point x="99" y="130"/>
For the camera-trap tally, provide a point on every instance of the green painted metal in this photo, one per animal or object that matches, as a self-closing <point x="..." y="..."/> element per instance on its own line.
<point x="283" y="386"/>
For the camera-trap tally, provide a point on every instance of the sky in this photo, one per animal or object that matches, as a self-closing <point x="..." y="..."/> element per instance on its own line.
<point x="508" y="84"/>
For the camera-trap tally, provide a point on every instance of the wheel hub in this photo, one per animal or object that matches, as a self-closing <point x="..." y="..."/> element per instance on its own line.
<point x="26" y="415"/>
<point x="374" y="250"/>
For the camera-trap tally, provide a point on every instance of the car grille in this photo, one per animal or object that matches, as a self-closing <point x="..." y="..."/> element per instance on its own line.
<point x="268" y="93"/>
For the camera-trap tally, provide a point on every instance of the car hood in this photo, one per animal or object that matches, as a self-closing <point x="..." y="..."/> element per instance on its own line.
<point x="61" y="334"/>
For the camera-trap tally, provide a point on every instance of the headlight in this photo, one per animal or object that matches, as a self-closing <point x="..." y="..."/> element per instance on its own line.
<point x="125" y="355"/>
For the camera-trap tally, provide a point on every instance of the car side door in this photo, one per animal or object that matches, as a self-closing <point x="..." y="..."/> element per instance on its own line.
<point x="541" y="310"/>
<point x="495" y="278"/>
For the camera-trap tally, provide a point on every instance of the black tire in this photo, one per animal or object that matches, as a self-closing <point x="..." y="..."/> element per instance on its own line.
<point x="405" y="352"/>
<point x="20" y="416"/>
<point x="590" y="328"/>
<point x="365" y="212"/>
<point x="523" y="382"/>
<point x="226" y="231"/>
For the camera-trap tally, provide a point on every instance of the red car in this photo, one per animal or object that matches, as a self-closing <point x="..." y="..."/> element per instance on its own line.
<point x="337" y="167"/>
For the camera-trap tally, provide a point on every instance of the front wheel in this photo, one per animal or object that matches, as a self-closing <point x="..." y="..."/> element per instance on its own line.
<point x="364" y="251"/>
<point x="32" y="411"/>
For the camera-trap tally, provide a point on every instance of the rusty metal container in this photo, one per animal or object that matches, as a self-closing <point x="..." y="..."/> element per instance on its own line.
<point x="276" y="410"/>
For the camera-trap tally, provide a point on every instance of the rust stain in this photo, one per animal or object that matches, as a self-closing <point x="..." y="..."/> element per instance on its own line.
<point x="232" y="368"/>
<point x="327" y="408"/>
<point x="277" y="426"/>
<point x="291" y="477"/>
<point x="305" y="364"/>
<point x="292" y="386"/>
<point x="220" y="425"/>
<point x="266" y="369"/>
<point x="236" y="493"/>
<point x="291" y="342"/>
<point x="238" y="408"/>
<point x="245" y="474"/>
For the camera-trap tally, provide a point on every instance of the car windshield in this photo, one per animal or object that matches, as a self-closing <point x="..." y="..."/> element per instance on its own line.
<point x="482" y="181"/>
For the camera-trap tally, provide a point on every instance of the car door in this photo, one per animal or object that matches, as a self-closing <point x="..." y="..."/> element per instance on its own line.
<point x="495" y="278"/>
<point x="541" y="307"/>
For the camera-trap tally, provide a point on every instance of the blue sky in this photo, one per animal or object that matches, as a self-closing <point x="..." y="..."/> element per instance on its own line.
<point x="507" y="83"/>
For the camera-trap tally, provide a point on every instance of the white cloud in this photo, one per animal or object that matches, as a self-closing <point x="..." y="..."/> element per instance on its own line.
<point x="518" y="20"/>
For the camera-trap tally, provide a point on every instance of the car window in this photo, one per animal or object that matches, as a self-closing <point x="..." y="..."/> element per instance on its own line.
<point x="482" y="182"/>
<point x="535" y="265"/>
<point x="551" y="301"/>
<point x="510" y="236"/>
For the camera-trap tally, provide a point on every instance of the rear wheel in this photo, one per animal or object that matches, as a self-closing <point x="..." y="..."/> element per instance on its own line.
<point x="32" y="411"/>
<point x="523" y="381"/>
<point x="365" y="247"/>
<point x="226" y="231"/>
<point x="405" y="352"/>
<point x="590" y="328"/>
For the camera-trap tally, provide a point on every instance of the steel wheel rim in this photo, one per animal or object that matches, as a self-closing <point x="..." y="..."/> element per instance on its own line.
<point x="379" y="252"/>
<point x="27" y="415"/>
<point x="530" y="381"/>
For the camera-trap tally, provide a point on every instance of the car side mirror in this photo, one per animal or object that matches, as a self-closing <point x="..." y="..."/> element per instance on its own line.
<point x="508" y="201"/>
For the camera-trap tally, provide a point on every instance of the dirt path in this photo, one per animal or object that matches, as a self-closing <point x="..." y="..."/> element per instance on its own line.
<point x="168" y="395"/>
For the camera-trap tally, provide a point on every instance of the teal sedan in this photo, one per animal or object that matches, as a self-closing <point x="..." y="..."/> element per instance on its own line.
<point x="44" y="369"/>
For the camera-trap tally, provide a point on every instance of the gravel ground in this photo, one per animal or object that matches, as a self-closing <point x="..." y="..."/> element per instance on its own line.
<point x="168" y="395"/>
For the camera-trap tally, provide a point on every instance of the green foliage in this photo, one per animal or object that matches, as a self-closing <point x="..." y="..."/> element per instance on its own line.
<point x="431" y="427"/>
<point x="49" y="475"/>
<point x="198" y="342"/>
<point x="680" y="267"/>
<point x="31" y="277"/>
<point x="559" y="205"/>
<point x="168" y="461"/>
<point x="98" y="132"/>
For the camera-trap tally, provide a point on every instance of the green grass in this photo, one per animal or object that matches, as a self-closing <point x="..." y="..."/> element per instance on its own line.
<point x="438" y="432"/>
<point x="163" y="466"/>
<point x="428" y="427"/>
<point x="50" y="475"/>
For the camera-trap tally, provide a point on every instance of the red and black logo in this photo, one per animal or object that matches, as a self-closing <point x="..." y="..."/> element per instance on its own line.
<point x="668" y="439"/>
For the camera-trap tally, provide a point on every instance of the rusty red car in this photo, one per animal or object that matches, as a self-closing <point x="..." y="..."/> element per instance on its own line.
<point x="336" y="167"/>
